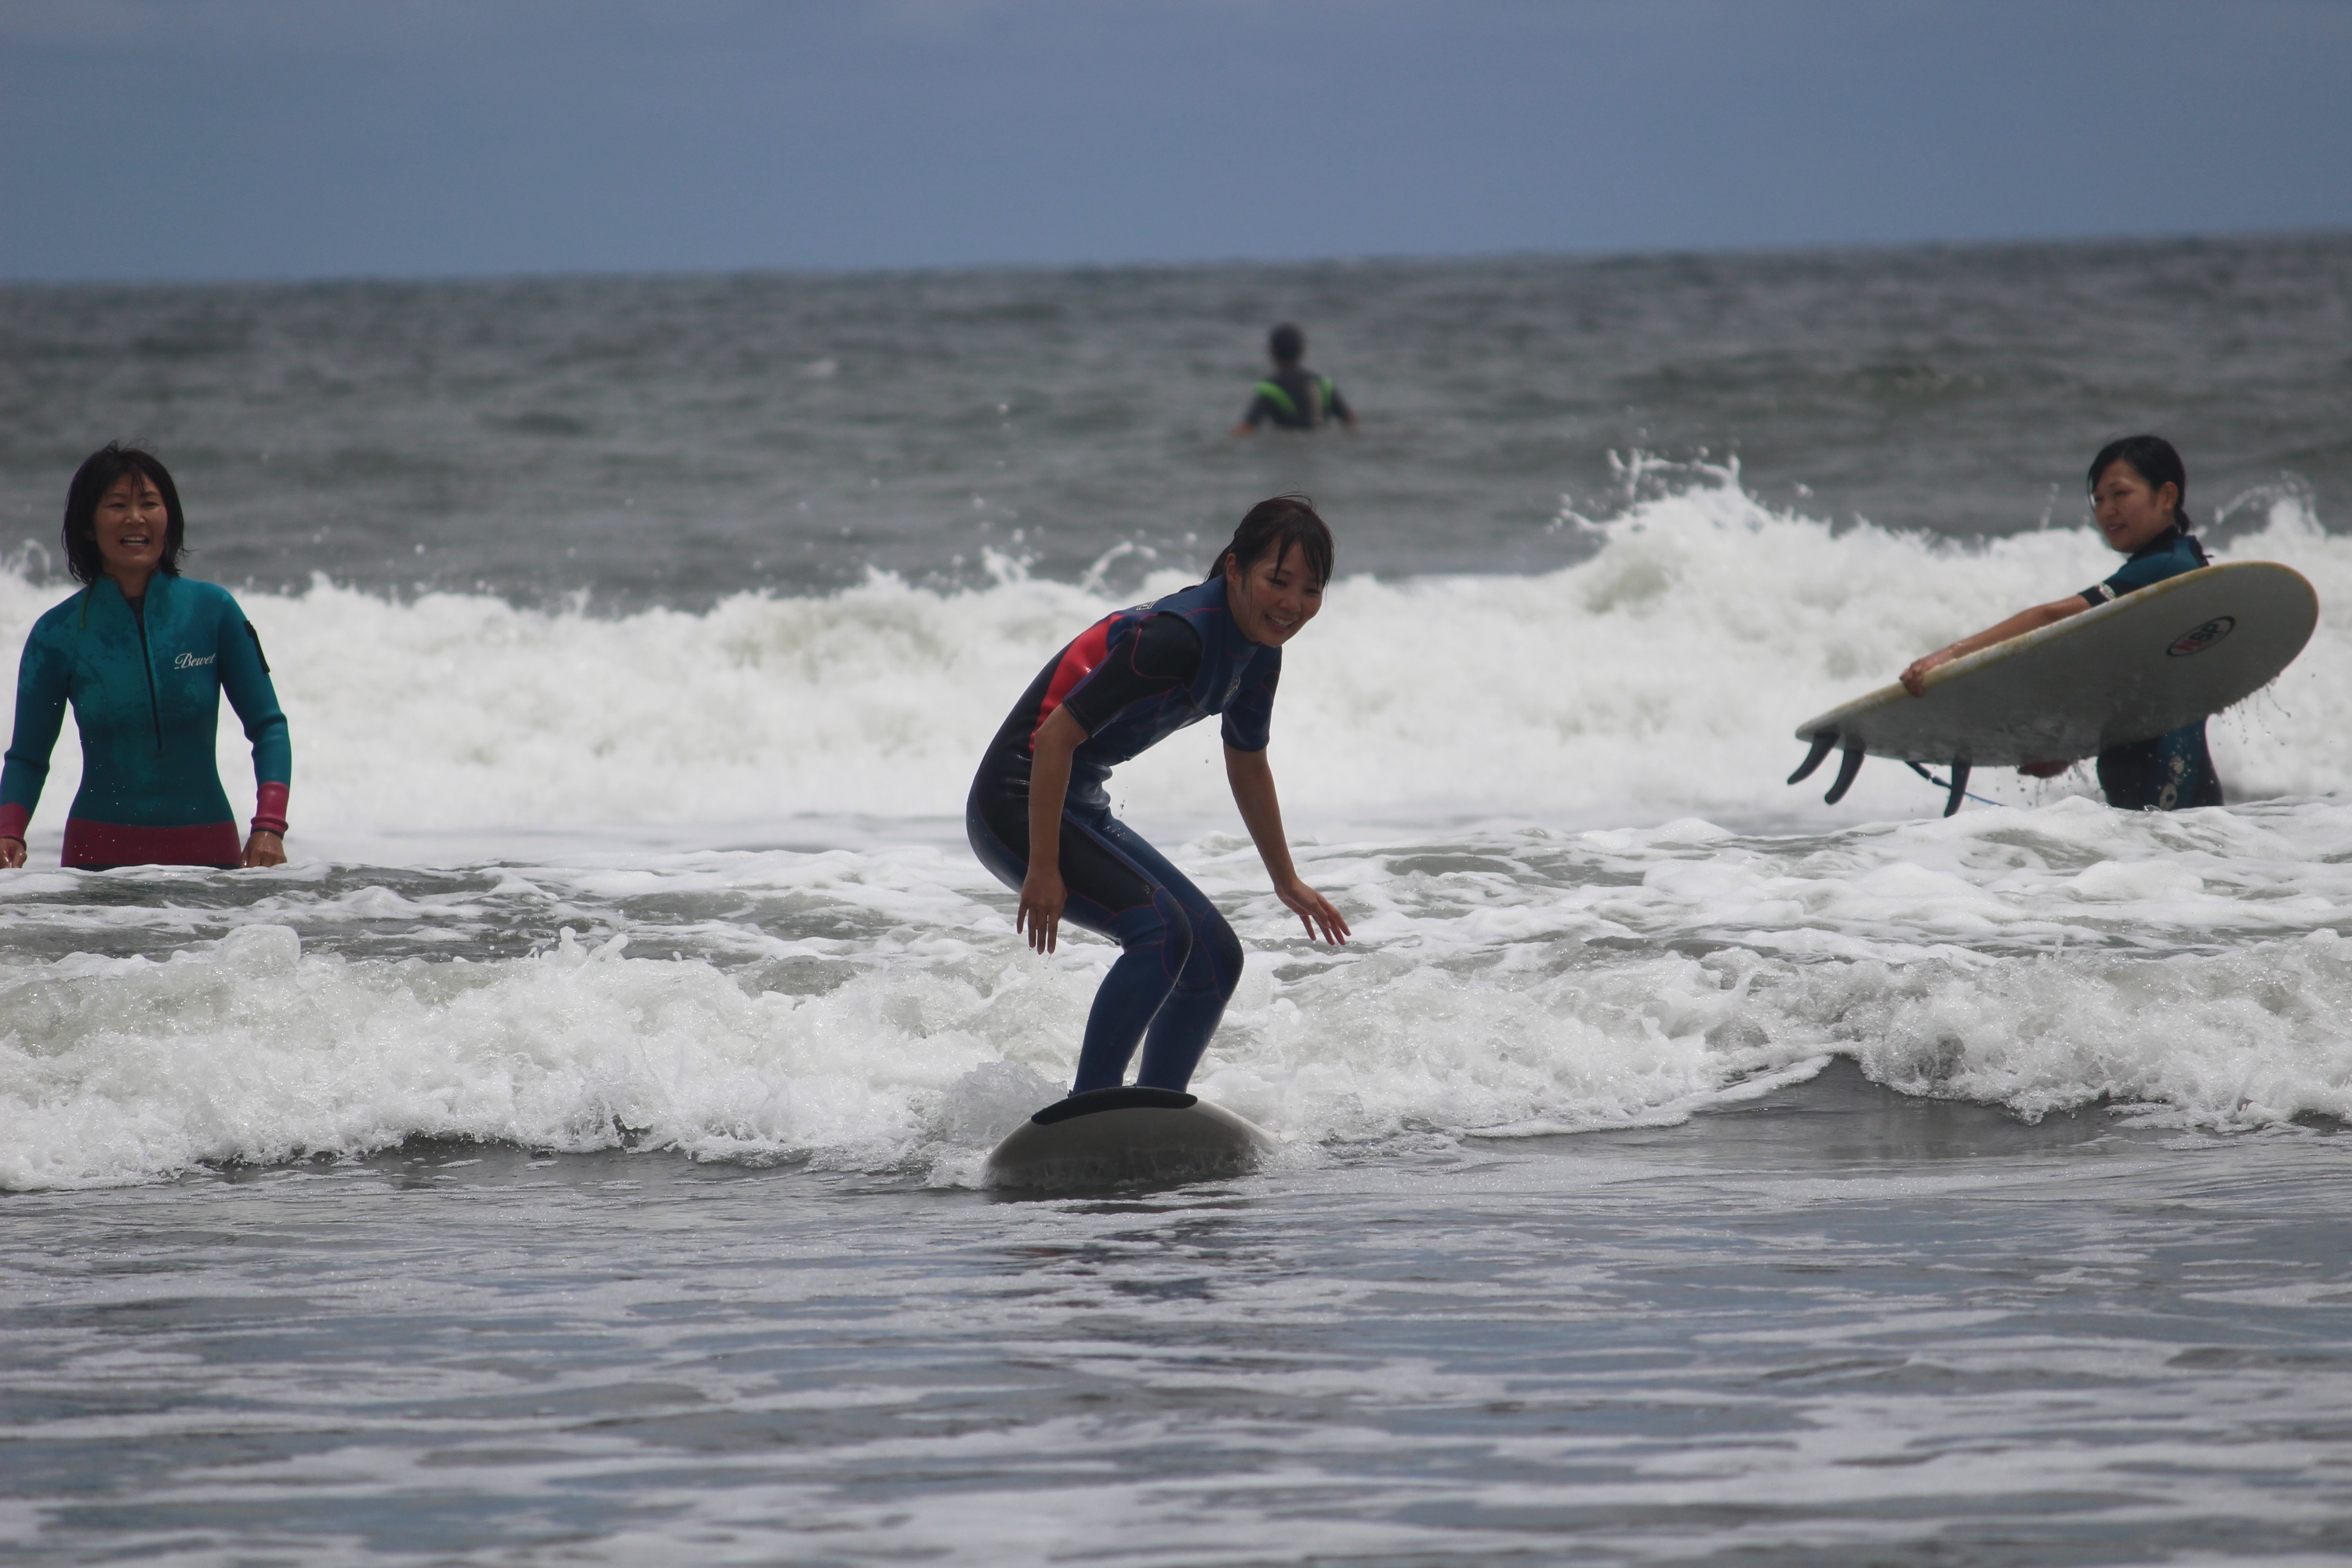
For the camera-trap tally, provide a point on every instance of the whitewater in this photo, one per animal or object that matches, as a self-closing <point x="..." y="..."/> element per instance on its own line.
<point x="1550" y="804"/>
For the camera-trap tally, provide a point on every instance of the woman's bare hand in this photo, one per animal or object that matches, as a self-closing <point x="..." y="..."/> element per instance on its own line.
<point x="12" y="853"/>
<point x="1042" y="899"/>
<point x="1313" y="911"/>
<point x="1915" y="678"/>
<point x="264" y="849"/>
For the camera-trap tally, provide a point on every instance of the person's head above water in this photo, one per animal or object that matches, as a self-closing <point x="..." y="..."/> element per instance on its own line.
<point x="122" y="510"/>
<point x="2137" y="487"/>
<point x="1287" y="343"/>
<point x="1274" y="569"/>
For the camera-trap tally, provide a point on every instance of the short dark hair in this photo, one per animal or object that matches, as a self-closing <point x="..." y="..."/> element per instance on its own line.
<point x="1286" y="343"/>
<point x="2152" y="457"/>
<point x="1271" y="528"/>
<point x="95" y="476"/>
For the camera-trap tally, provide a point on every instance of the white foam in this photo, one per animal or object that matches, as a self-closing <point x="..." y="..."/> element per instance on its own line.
<point x="1510" y="978"/>
<point x="1661" y="678"/>
<point x="1506" y="983"/>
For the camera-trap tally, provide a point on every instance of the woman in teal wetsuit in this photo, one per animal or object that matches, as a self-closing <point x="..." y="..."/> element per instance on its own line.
<point x="2137" y="488"/>
<point x="143" y="654"/>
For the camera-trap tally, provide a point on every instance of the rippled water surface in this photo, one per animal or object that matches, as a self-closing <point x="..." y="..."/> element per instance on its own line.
<point x="1828" y="1326"/>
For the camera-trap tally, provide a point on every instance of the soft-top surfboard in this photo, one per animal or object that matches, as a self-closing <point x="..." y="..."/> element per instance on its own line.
<point x="2130" y="670"/>
<point x="1115" y="1137"/>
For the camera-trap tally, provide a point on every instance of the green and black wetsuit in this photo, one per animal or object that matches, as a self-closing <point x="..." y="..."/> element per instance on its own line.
<point x="1296" y="398"/>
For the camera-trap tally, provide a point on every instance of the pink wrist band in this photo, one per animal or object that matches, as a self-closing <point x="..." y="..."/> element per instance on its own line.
<point x="269" y="810"/>
<point x="13" y="821"/>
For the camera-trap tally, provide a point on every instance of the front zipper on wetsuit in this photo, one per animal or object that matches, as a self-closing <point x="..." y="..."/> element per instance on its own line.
<point x="147" y="663"/>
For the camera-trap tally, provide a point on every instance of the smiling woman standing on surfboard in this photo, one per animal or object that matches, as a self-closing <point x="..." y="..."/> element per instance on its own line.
<point x="2137" y="488"/>
<point x="1040" y="819"/>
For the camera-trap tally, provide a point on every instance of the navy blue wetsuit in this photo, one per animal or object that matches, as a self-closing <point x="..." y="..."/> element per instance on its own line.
<point x="1131" y="681"/>
<point x="2174" y="771"/>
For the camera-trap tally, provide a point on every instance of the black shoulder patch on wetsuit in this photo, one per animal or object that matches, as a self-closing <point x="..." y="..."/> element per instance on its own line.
<point x="2169" y="554"/>
<point x="256" y="647"/>
<point x="1160" y="655"/>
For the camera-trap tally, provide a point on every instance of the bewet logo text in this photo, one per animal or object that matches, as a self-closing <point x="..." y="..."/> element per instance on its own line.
<point x="190" y="661"/>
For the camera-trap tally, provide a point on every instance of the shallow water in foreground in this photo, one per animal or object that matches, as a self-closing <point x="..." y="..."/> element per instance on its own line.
<point x="1835" y="1326"/>
<point x="1956" y="1192"/>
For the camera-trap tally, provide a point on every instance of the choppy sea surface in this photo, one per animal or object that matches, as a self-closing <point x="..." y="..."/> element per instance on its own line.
<point x="574" y="1155"/>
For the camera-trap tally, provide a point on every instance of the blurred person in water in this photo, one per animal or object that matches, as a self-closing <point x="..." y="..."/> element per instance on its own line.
<point x="2137" y="487"/>
<point x="142" y="655"/>
<point x="1039" y="817"/>
<point x="1293" y="398"/>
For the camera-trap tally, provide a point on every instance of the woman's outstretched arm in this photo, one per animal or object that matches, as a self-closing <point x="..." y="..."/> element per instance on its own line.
<point x="1915" y="678"/>
<point x="1253" y="780"/>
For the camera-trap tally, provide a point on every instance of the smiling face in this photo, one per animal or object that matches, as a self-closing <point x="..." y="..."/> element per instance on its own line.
<point x="1274" y="596"/>
<point x="2130" y="513"/>
<point x="132" y="526"/>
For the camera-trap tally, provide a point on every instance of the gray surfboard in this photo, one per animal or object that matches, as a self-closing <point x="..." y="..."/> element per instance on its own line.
<point x="2129" y="670"/>
<point x="1115" y="1137"/>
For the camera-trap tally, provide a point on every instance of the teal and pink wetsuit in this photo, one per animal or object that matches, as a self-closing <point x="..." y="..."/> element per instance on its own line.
<point x="145" y="682"/>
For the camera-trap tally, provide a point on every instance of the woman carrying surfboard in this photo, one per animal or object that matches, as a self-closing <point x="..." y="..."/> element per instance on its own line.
<point x="1040" y="819"/>
<point x="2137" y="488"/>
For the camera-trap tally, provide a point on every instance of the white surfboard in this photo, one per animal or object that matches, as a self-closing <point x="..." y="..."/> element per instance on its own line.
<point x="2129" y="670"/>
<point x="1117" y="1137"/>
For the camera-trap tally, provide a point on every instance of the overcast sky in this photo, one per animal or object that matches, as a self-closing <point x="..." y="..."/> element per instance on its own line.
<point x="206" y="139"/>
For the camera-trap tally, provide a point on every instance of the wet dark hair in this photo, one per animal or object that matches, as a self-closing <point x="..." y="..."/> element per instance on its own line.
<point x="1271" y="528"/>
<point x="1286" y="343"/>
<point x="90" y="482"/>
<point x="2152" y="457"/>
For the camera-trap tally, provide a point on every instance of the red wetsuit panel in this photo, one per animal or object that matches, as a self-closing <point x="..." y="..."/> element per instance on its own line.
<point x="1078" y="661"/>
<point x="114" y="843"/>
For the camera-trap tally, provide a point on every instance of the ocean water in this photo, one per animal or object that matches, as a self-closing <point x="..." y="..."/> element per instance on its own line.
<point x="574" y="1155"/>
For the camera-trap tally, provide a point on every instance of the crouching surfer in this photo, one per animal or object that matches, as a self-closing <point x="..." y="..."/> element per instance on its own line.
<point x="1040" y="819"/>
<point x="2137" y="488"/>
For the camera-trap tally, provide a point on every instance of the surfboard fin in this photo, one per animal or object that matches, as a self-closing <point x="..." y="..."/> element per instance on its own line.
<point x="1959" y="785"/>
<point x="1822" y="741"/>
<point x="1848" y="765"/>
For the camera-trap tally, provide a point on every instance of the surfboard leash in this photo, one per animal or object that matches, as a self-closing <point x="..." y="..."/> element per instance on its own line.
<point x="1946" y="785"/>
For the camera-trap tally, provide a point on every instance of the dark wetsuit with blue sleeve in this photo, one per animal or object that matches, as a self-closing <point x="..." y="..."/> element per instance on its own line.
<point x="1131" y="681"/>
<point x="2174" y="771"/>
<point x="145" y="682"/>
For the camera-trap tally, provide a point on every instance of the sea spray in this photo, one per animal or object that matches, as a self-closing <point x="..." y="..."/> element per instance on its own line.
<point x="1661" y="678"/>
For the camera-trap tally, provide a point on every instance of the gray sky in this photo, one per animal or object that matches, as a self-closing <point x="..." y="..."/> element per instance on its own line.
<point x="203" y="138"/>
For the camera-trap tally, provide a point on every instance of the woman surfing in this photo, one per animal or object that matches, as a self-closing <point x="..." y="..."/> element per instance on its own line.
<point x="2137" y="488"/>
<point x="1040" y="819"/>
